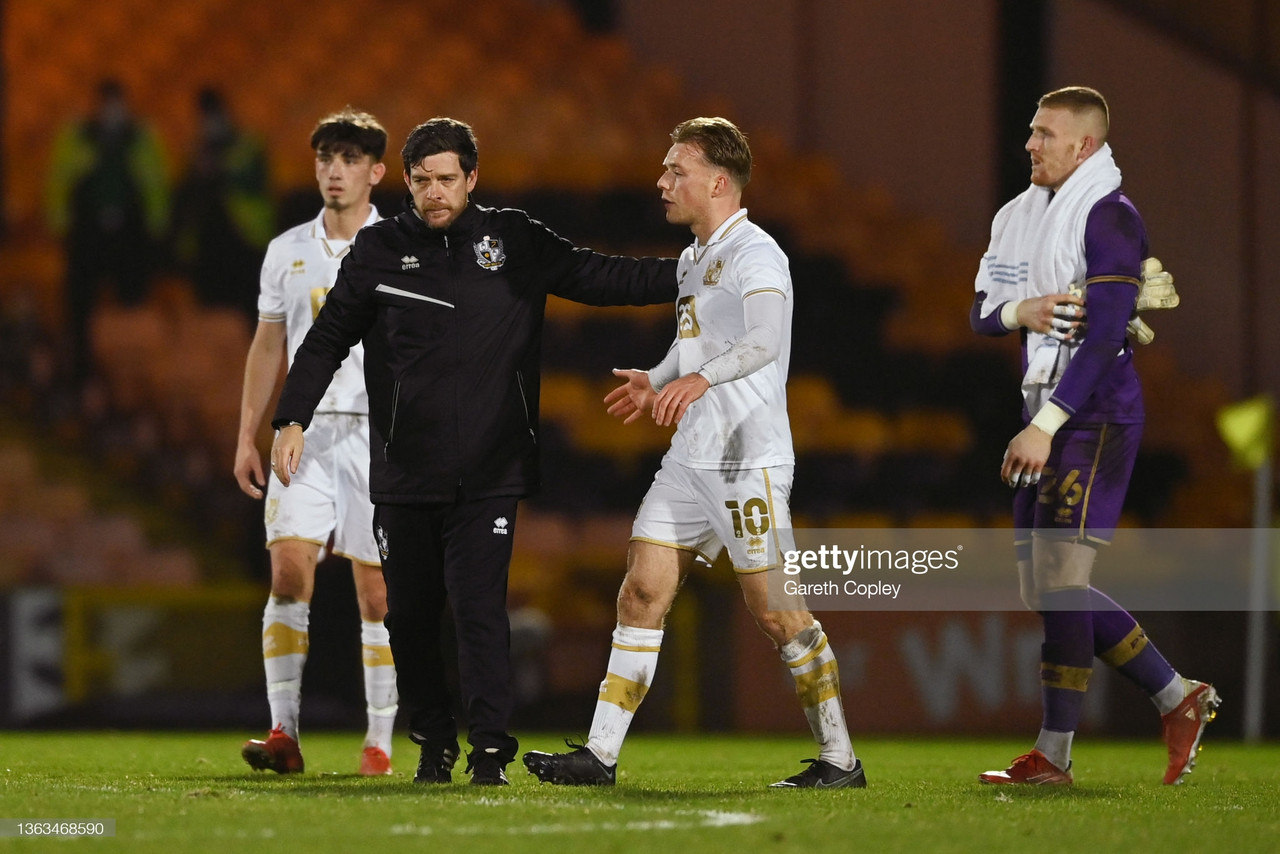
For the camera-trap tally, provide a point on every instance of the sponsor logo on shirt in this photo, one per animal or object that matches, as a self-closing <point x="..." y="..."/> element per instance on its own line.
<point x="489" y="253"/>
<point x="409" y="262"/>
<point x="687" y="317"/>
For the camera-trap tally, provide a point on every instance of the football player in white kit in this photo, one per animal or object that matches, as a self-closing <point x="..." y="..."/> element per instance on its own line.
<point x="330" y="492"/>
<point x="726" y="481"/>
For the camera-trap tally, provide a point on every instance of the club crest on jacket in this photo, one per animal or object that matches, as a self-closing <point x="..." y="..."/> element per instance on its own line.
<point x="489" y="254"/>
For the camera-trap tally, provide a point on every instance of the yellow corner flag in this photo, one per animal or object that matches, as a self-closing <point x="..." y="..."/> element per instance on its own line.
<point x="1246" y="428"/>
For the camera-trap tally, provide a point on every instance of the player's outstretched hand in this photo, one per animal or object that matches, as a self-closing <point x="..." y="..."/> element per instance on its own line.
<point x="248" y="470"/>
<point x="286" y="452"/>
<point x="631" y="399"/>
<point x="676" y="397"/>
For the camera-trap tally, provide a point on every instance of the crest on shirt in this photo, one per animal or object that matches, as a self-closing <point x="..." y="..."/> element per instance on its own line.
<point x="687" y="318"/>
<point x="489" y="254"/>
<point x="712" y="276"/>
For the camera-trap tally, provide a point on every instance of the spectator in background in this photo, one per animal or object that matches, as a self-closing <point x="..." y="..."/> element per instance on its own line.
<point x="107" y="197"/>
<point x="222" y="217"/>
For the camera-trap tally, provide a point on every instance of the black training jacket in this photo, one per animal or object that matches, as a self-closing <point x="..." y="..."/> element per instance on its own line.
<point x="452" y="328"/>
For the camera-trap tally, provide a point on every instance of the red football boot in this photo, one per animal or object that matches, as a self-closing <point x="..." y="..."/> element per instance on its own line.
<point x="1031" y="769"/>
<point x="279" y="753"/>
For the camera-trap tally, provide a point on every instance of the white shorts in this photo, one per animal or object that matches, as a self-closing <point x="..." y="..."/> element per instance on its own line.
<point x="697" y="510"/>
<point x="330" y="491"/>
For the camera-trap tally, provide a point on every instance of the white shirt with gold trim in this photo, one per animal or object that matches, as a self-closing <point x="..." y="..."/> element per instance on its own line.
<point x="300" y="268"/>
<point x="741" y="423"/>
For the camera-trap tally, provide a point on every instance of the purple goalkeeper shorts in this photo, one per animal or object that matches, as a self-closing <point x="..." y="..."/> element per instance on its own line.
<point x="1082" y="488"/>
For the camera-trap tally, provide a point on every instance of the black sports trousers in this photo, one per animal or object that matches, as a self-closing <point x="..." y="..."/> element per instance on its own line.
<point x="457" y="555"/>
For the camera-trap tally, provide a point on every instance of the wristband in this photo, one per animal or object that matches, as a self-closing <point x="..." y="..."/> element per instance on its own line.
<point x="1050" y="417"/>
<point x="1009" y="314"/>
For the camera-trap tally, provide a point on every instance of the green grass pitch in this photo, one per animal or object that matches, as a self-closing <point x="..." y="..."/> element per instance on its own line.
<point x="190" y="792"/>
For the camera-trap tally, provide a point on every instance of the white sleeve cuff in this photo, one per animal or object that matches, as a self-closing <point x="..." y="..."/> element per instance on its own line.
<point x="1009" y="314"/>
<point x="1050" y="417"/>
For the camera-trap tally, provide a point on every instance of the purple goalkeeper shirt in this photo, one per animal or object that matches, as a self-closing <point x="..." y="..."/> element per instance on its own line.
<point x="1100" y="384"/>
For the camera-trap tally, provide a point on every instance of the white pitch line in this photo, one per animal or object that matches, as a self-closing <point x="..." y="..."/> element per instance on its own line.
<point x="689" y="819"/>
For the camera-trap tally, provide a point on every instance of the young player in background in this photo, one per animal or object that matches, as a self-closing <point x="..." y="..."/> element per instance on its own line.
<point x="330" y="491"/>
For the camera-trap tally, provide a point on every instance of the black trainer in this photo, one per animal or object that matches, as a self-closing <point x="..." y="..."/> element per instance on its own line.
<point x="435" y="764"/>
<point x="578" y="767"/>
<point x="823" y="775"/>
<point x="487" y="767"/>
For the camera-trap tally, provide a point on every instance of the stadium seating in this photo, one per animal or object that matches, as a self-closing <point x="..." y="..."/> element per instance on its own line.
<point x="889" y="422"/>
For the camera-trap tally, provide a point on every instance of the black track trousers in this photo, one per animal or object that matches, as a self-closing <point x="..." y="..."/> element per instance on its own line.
<point x="455" y="553"/>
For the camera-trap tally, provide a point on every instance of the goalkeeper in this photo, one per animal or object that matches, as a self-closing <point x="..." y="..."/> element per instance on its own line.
<point x="1070" y="466"/>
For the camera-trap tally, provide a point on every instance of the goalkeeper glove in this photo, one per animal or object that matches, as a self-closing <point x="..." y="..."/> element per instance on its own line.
<point x="1155" y="292"/>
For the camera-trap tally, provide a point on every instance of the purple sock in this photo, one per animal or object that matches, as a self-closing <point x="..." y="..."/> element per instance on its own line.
<point x="1121" y="643"/>
<point x="1066" y="657"/>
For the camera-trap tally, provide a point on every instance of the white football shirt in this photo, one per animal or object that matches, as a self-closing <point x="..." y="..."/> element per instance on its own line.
<point x="742" y="422"/>
<point x="300" y="268"/>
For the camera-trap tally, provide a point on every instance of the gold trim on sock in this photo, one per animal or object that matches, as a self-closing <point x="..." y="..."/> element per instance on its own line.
<point x="1064" y="677"/>
<point x="279" y="639"/>
<point x="818" y="685"/>
<point x="1128" y="649"/>
<point x="625" y="648"/>
<point x="377" y="656"/>
<point x="624" y="693"/>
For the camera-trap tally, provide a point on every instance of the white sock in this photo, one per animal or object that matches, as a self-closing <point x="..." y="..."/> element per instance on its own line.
<point x="1168" y="697"/>
<point x="632" y="660"/>
<point x="813" y="666"/>
<point x="284" y="652"/>
<point x="380" y="695"/>
<point x="1056" y="747"/>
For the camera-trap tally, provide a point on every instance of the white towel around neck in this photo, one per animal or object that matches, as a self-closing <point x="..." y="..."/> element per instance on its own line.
<point x="1037" y="248"/>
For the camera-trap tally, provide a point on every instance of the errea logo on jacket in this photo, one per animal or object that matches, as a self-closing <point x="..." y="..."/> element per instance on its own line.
<point x="409" y="262"/>
<point x="500" y="525"/>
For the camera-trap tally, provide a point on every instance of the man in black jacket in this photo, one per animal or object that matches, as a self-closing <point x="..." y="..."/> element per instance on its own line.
<point x="448" y="298"/>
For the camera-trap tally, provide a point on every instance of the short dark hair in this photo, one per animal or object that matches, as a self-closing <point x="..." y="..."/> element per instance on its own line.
<point x="721" y="143"/>
<point x="350" y="130"/>
<point x="437" y="136"/>
<point x="1079" y="99"/>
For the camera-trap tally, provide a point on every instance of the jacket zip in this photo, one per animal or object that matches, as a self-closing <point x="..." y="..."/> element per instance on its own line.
<point x="391" y="431"/>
